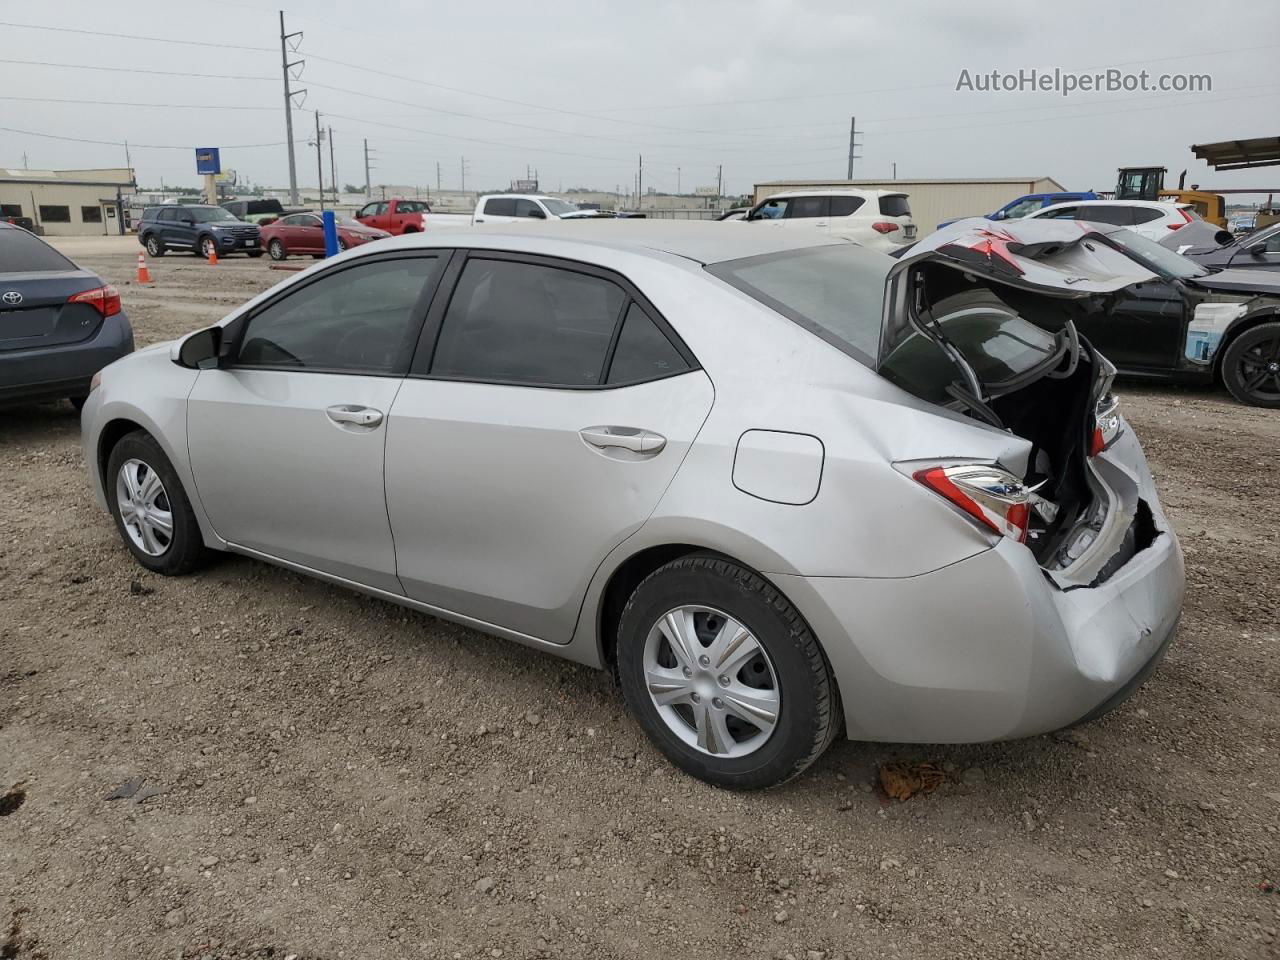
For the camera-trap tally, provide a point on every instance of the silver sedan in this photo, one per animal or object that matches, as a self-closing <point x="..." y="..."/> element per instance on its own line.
<point x="784" y="486"/>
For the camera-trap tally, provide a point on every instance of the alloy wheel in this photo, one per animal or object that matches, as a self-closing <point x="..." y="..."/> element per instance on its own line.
<point x="153" y="246"/>
<point x="144" y="506"/>
<point x="1258" y="369"/>
<point x="711" y="681"/>
<point x="276" y="249"/>
<point x="206" y="247"/>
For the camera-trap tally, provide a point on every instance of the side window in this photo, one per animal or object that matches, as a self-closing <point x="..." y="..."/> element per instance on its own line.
<point x="367" y="210"/>
<point x="411" y="206"/>
<point x="500" y="207"/>
<point x="808" y="208"/>
<point x="1118" y="215"/>
<point x="771" y="210"/>
<point x="845" y="206"/>
<point x="643" y="351"/>
<point x="527" y="208"/>
<point x="358" y="320"/>
<point x="527" y="323"/>
<point x="168" y="216"/>
<point x="1022" y="208"/>
<point x="1062" y="213"/>
<point x="1144" y="215"/>
<point x="310" y="220"/>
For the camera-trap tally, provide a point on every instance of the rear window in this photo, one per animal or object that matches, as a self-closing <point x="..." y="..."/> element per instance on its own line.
<point x="895" y="205"/>
<point x="835" y="292"/>
<point x="500" y="207"/>
<point x="22" y="252"/>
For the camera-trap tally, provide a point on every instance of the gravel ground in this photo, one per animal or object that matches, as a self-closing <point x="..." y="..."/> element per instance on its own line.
<point x="328" y="776"/>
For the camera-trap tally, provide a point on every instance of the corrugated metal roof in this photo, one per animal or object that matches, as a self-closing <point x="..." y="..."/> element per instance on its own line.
<point x="1240" y="154"/>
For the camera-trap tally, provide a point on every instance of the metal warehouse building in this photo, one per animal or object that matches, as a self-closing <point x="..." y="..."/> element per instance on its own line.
<point x="67" y="203"/>
<point x="932" y="201"/>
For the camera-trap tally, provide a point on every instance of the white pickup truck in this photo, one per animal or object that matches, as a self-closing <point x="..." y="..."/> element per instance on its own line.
<point x="510" y="208"/>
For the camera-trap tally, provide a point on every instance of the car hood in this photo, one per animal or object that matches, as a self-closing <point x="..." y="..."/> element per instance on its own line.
<point x="1242" y="281"/>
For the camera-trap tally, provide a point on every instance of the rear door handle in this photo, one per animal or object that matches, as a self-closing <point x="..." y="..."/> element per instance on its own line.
<point x="354" y="414"/>
<point x="626" y="438"/>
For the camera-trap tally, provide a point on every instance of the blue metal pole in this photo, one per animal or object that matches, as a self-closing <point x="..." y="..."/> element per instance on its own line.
<point x="330" y="233"/>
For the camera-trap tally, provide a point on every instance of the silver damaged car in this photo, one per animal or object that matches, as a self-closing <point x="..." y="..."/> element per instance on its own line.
<point x="784" y="486"/>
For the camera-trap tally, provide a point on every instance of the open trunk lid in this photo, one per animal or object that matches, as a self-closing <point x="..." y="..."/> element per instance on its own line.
<point x="981" y="318"/>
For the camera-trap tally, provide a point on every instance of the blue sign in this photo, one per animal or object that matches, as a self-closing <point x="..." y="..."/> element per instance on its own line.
<point x="207" y="160"/>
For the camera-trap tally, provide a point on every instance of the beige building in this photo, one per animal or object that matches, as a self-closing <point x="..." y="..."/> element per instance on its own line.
<point x="68" y="203"/>
<point x="932" y="201"/>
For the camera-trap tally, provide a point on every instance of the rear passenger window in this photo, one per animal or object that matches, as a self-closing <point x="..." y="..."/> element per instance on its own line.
<point x="895" y="205"/>
<point x="515" y="322"/>
<point x="643" y="351"/>
<point x="807" y="208"/>
<point x="357" y="320"/>
<point x="500" y="207"/>
<point x="845" y="206"/>
<point x="1145" y="214"/>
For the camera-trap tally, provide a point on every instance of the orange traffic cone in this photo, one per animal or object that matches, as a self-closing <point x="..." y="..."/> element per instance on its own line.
<point x="213" y="255"/>
<point x="144" y="275"/>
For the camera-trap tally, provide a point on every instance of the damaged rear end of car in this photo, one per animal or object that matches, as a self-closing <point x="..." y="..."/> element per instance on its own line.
<point x="985" y="323"/>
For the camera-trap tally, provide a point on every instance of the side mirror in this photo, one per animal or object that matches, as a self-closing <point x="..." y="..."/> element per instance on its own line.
<point x="189" y="221"/>
<point x="536" y="214"/>
<point x="199" y="351"/>
<point x="1257" y="250"/>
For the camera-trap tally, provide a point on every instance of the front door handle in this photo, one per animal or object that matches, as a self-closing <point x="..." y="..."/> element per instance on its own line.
<point x="626" y="438"/>
<point x="354" y="414"/>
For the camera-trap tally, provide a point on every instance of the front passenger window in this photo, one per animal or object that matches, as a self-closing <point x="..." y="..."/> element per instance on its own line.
<point x="358" y="320"/>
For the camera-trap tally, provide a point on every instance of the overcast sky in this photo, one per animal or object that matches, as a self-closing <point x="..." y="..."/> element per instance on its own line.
<point x="578" y="89"/>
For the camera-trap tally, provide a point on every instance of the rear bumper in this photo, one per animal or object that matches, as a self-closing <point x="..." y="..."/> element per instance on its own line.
<point x="989" y="648"/>
<point x="55" y="372"/>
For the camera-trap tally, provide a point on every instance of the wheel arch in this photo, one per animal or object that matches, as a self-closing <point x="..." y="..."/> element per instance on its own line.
<point x="1268" y="314"/>
<point x="112" y="433"/>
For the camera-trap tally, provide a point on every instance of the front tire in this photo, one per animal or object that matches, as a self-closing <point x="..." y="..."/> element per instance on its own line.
<point x="1251" y="366"/>
<point x="724" y="676"/>
<point x="151" y="509"/>
<point x="277" y="250"/>
<point x="206" y="247"/>
<point x="154" y="247"/>
<point x="254" y="254"/>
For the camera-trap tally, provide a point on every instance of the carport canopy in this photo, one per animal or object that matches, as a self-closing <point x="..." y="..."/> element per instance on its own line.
<point x="1240" y="154"/>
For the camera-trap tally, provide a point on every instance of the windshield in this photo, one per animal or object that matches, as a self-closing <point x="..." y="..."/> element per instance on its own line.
<point x="1161" y="259"/>
<point x="210" y="214"/>
<point x="836" y="292"/>
<point x="559" y="207"/>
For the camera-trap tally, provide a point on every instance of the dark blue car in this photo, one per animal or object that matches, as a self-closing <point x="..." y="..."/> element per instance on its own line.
<point x="59" y="324"/>
<point x="198" y="228"/>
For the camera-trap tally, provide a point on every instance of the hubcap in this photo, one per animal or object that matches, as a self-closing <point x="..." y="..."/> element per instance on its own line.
<point x="144" y="506"/>
<point x="711" y="681"/>
<point x="1260" y="369"/>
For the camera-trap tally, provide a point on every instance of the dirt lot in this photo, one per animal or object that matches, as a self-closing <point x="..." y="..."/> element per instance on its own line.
<point x="340" y="778"/>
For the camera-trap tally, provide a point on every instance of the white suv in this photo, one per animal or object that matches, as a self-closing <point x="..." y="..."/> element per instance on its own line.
<point x="1152" y="219"/>
<point x="878" y="219"/>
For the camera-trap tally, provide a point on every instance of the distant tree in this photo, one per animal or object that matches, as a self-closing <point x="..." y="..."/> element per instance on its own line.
<point x="351" y="188"/>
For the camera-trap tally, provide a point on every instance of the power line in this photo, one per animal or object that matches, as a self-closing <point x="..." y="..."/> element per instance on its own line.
<point x="134" y="146"/>
<point x="153" y="73"/>
<point x="128" y="103"/>
<point x="134" y="36"/>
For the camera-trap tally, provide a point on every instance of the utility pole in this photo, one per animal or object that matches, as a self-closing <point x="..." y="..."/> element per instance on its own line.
<point x="640" y="182"/>
<point x="719" y="184"/>
<point x="853" y="145"/>
<point x="285" y="65"/>
<point x="462" y="165"/>
<point x="367" y="194"/>
<point x="24" y="157"/>
<point x="319" y="161"/>
<point x="677" y="181"/>
<point x="438" y="187"/>
<point x="333" y="171"/>
<point x="895" y="169"/>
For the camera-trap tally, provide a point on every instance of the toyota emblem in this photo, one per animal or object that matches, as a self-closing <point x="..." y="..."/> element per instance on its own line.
<point x="13" y="298"/>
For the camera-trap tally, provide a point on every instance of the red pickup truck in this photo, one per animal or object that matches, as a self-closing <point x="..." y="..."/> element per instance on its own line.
<point x="394" y="216"/>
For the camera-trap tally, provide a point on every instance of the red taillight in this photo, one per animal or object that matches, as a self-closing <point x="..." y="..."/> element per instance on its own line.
<point x="104" y="299"/>
<point x="883" y="226"/>
<point x="990" y="495"/>
<point x="1186" y="218"/>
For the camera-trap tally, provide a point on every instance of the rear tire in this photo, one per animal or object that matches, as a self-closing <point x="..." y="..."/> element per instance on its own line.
<point x="254" y="254"/>
<point x="180" y="550"/>
<point x="1251" y="366"/>
<point x="277" y="250"/>
<point x="783" y="675"/>
<point x="154" y="247"/>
